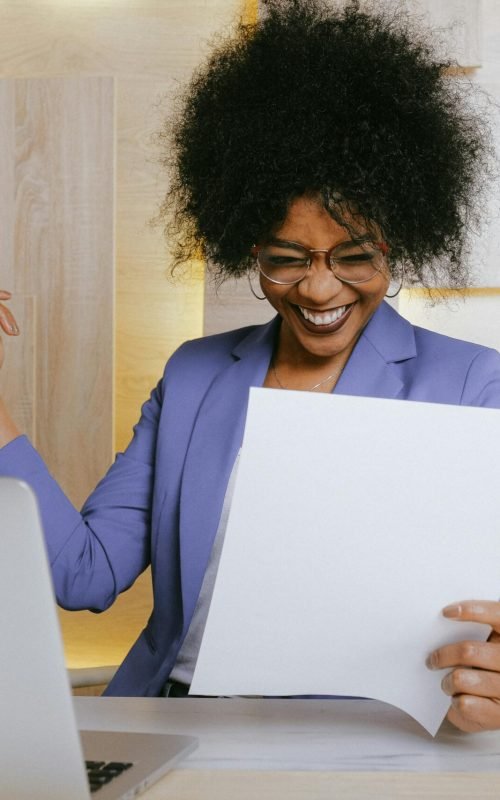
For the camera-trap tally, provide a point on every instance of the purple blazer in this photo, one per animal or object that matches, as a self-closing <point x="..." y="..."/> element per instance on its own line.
<point x="160" y="502"/>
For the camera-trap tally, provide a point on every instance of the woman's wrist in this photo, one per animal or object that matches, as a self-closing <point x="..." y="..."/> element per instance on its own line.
<point x="8" y="428"/>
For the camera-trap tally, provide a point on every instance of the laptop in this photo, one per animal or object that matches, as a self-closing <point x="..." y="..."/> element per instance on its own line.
<point x="42" y="754"/>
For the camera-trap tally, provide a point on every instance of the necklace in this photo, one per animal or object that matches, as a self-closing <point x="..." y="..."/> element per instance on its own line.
<point x="335" y="374"/>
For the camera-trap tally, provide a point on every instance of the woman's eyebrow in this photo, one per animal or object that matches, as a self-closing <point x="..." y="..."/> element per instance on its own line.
<point x="275" y="240"/>
<point x="360" y="238"/>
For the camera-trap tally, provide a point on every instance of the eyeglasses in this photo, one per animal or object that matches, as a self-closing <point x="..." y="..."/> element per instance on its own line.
<point x="354" y="261"/>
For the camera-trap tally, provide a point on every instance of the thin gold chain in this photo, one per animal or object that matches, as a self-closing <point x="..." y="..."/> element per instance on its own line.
<point x="312" y="388"/>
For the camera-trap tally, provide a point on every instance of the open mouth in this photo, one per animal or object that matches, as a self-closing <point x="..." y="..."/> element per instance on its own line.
<point x="324" y="321"/>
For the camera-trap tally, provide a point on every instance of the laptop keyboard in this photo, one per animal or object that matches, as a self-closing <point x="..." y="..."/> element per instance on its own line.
<point x="100" y="773"/>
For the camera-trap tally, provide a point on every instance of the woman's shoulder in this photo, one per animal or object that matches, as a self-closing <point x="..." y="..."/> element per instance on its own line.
<point x="454" y="370"/>
<point x="207" y="355"/>
<point x="435" y="367"/>
<point x="218" y="345"/>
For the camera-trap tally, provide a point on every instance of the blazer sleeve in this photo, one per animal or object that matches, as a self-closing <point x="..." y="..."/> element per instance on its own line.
<point x="482" y="383"/>
<point x="97" y="553"/>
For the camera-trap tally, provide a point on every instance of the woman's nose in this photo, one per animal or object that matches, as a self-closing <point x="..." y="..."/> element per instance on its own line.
<point x="319" y="283"/>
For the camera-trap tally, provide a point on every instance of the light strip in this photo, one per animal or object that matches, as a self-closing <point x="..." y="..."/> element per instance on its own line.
<point x="250" y="12"/>
<point x="471" y="291"/>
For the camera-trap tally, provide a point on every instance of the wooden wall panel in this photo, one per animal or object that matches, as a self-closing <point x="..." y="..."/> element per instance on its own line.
<point x="62" y="253"/>
<point x="158" y="39"/>
<point x="7" y="179"/>
<point x="56" y="218"/>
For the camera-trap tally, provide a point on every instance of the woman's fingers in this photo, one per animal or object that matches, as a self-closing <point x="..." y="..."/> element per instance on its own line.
<point x="7" y="320"/>
<point x="472" y="714"/>
<point x="477" y="682"/>
<point x="484" y="611"/>
<point x="474" y="680"/>
<point x="482" y="655"/>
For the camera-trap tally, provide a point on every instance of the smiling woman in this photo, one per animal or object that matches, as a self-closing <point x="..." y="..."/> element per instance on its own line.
<point x="308" y="148"/>
<point x="322" y="151"/>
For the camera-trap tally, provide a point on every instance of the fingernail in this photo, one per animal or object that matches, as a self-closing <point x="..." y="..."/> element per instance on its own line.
<point x="432" y="661"/>
<point x="452" y="611"/>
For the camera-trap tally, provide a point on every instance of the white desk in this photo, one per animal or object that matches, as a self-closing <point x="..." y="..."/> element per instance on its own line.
<point x="304" y="748"/>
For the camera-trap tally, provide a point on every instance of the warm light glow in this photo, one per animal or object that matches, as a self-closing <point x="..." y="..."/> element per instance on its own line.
<point x="251" y="11"/>
<point x="471" y="291"/>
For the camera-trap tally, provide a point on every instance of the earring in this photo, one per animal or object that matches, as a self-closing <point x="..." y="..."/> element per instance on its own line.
<point x="258" y="297"/>
<point x="390" y="296"/>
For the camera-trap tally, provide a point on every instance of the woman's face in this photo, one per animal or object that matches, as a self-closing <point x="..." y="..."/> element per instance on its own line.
<point x="321" y="316"/>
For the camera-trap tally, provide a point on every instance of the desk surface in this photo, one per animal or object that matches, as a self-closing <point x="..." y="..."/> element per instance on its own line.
<point x="296" y="748"/>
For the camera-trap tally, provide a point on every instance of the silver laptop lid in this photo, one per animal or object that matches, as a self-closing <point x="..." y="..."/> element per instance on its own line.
<point x="40" y="750"/>
<point x="38" y="733"/>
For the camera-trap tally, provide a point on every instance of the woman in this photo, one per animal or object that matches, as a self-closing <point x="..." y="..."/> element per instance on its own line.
<point x="322" y="152"/>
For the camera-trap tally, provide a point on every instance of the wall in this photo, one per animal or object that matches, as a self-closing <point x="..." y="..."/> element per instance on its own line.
<point x="474" y="315"/>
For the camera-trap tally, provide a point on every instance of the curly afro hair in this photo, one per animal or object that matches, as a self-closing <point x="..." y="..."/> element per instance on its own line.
<point x="349" y="105"/>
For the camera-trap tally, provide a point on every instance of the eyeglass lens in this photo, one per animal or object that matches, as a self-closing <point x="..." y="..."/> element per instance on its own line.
<point x="352" y="261"/>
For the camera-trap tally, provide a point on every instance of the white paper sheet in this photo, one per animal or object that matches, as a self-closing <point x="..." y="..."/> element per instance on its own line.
<point x="353" y="522"/>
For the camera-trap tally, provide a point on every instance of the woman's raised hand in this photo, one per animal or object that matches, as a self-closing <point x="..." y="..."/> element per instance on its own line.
<point x="8" y="323"/>
<point x="474" y="680"/>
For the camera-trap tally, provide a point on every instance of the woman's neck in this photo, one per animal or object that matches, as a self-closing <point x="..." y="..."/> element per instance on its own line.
<point x="294" y="368"/>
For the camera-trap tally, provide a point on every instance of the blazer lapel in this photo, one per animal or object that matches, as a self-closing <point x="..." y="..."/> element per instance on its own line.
<point x="371" y="371"/>
<point x="214" y="445"/>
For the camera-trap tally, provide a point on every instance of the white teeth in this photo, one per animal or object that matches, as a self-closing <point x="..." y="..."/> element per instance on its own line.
<point x="323" y="317"/>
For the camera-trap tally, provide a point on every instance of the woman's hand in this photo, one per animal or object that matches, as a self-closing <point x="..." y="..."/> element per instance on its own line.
<point x="474" y="680"/>
<point x="8" y="323"/>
